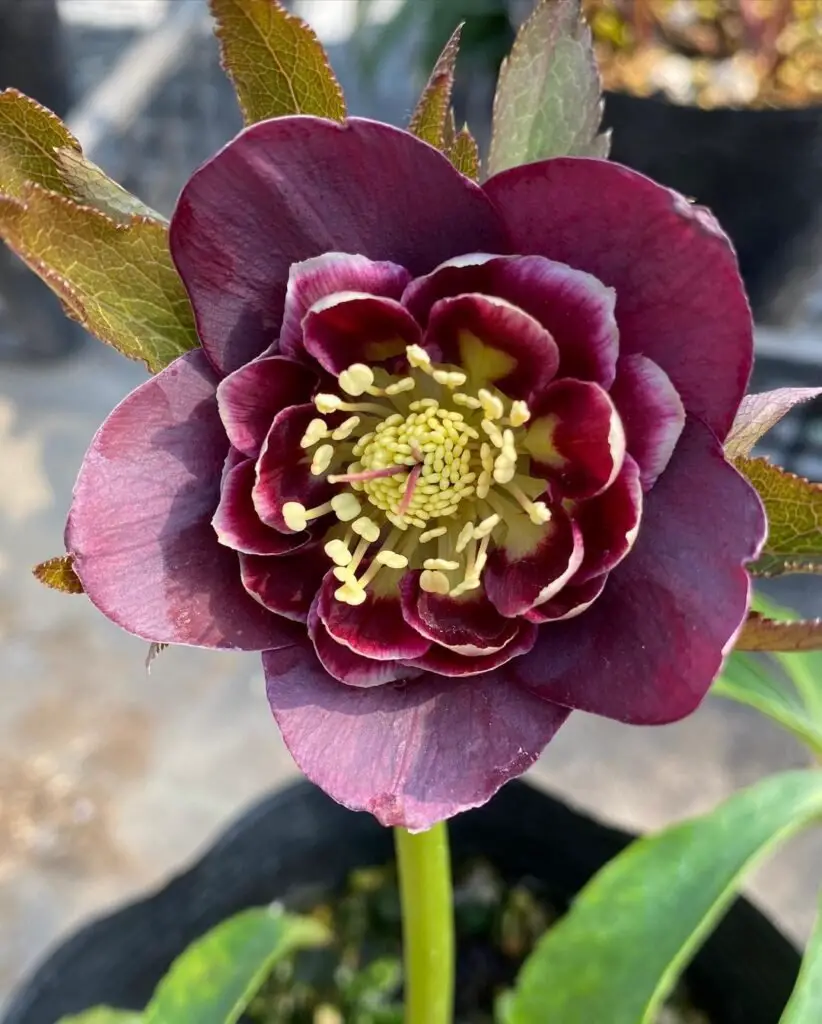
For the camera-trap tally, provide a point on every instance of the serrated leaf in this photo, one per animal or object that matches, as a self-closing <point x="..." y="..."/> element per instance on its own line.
<point x="58" y="573"/>
<point x="464" y="154"/>
<point x="91" y="186"/>
<point x="756" y="684"/>
<point x="548" y="101"/>
<point x="763" y="634"/>
<point x="117" y="280"/>
<point x="430" y="119"/>
<point x="36" y="147"/>
<point x="104" y="1015"/>
<point x="805" y="1004"/>
<point x="214" y="980"/>
<point x="633" y="929"/>
<point x="276" y="62"/>
<point x="758" y="413"/>
<point x="794" y="510"/>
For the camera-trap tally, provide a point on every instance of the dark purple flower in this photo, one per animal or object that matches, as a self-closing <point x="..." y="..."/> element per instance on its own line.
<point x="450" y="456"/>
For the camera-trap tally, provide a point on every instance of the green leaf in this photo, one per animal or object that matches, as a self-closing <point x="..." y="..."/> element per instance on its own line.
<point x="58" y="573"/>
<point x="549" y="95"/>
<point x="464" y="154"/>
<point x="618" y="952"/>
<point x="214" y="980"/>
<point x="758" y="413"/>
<point x="429" y="121"/>
<point x="804" y="670"/>
<point x="758" y="684"/>
<point x="104" y="1015"/>
<point x="117" y="280"/>
<point x="277" y="64"/>
<point x="763" y="634"/>
<point x="35" y="146"/>
<point x="805" y="1004"/>
<point x="794" y="510"/>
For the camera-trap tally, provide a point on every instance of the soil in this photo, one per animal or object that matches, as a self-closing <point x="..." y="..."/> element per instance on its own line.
<point x="358" y="980"/>
<point x="705" y="53"/>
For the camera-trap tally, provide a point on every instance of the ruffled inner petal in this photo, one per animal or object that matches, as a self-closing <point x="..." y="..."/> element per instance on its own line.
<point x="610" y="523"/>
<point x="446" y="662"/>
<point x="285" y="584"/>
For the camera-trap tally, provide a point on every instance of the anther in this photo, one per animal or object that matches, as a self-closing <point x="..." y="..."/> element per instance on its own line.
<point x="520" y="414"/>
<point x="449" y="378"/>
<point x="433" y="582"/>
<point x="392" y="559"/>
<point x="366" y="528"/>
<point x="356" y="379"/>
<point x="485" y="528"/>
<point x="459" y="398"/>
<point x="397" y="388"/>
<point x="322" y="459"/>
<point x="493" y="432"/>
<point x="314" y="432"/>
<point x="350" y="592"/>
<point x="345" y="506"/>
<point x="438" y="531"/>
<point x="491" y="404"/>
<point x="338" y="552"/>
<point x="440" y="564"/>
<point x="418" y="358"/>
<point x="345" y="429"/>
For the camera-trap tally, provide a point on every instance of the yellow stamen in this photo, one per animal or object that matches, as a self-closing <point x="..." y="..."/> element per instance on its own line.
<point x="485" y="528"/>
<point x="314" y="432"/>
<point x="345" y="429"/>
<point x="322" y="459"/>
<point x="491" y="404"/>
<point x="392" y="559"/>
<point x="357" y="379"/>
<point x="520" y="414"/>
<point x="537" y="511"/>
<point x="433" y="582"/>
<point x="351" y="592"/>
<point x="449" y="378"/>
<point x="418" y="358"/>
<point x="440" y="564"/>
<point x="326" y="404"/>
<point x="492" y="430"/>
<point x="338" y="552"/>
<point x="406" y="384"/>
<point x="345" y="506"/>
<point x="466" y="535"/>
<point x="367" y="529"/>
<point x="439" y="531"/>
<point x="467" y="400"/>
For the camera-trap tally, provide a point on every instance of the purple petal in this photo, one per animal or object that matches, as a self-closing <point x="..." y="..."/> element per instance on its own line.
<point x="651" y="412"/>
<point x="293" y="188"/>
<point x="284" y="469"/>
<point x="139" y="530"/>
<point x="317" y="278"/>
<point x="350" y="327"/>
<point x="494" y="342"/>
<point x="411" y="754"/>
<point x="575" y="438"/>
<point x="444" y="661"/>
<point x="236" y="521"/>
<point x="533" y="564"/>
<point x="609" y="523"/>
<point x="648" y="649"/>
<point x="680" y="299"/>
<point x="347" y="667"/>
<point x="572" y="600"/>
<point x="251" y="397"/>
<point x="469" y="624"/>
<point x="376" y="629"/>
<point x="574" y="307"/>
<point x="287" y="584"/>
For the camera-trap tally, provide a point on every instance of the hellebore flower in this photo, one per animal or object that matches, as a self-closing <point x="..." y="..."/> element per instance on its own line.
<point x="449" y="456"/>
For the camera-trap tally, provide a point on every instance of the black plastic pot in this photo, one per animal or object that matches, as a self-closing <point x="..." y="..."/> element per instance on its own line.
<point x="298" y="844"/>
<point x="760" y="171"/>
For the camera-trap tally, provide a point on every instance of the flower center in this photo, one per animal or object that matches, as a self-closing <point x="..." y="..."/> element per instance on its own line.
<point x="434" y="463"/>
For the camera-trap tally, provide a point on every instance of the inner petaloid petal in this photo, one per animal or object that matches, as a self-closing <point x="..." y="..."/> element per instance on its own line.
<point x="576" y="438"/>
<point x="494" y="343"/>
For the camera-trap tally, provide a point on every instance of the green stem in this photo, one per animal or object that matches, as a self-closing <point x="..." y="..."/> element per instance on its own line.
<point x="427" y="924"/>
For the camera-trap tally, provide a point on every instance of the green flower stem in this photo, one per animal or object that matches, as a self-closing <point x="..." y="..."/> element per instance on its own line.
<point x="427" y="924"/>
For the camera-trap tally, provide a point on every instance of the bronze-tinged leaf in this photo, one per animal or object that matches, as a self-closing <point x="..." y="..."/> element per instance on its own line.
<point x="118" y="280"/>
<point x="36" y="147"/>
<point x="464" y="154"/>
<point x="58" y="573"/>
<point x="277" y="64"/>
<point x="758" y="413"/>
<point x="794" y="510"/>
<point x="549" y="94"/>
<point x="430" y="120"/>
<point x="763" y="634"/>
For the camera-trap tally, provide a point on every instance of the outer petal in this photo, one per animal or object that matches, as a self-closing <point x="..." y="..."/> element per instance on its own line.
<point x="445" y="662"/>
<point x="651" y="412"/>
<point x="376" y="629"/>
<point x="236" y="521"/>
<point x="349" y="327"/>
<point x="572" y="600"/>
<point x="317" y="278"/>
<point x="288" y="584"/>
<point x="293" y="188"/>
<point x="495" y="342"/>
<point x="347" y="667"/>
<point x="533" y="564"/>
<point x="575" y="438"/>
<point x="576" y="308"/>
<point x="609" y="523"/>
<point x="139" y="529"/>
<point x="648" y="649"/>
<point x="284" y="469"/>
<point x="468" y="625"/>
<point x="253" y="395"/>
<point x="410" y="754"/>
<point x="680" y="299"/>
